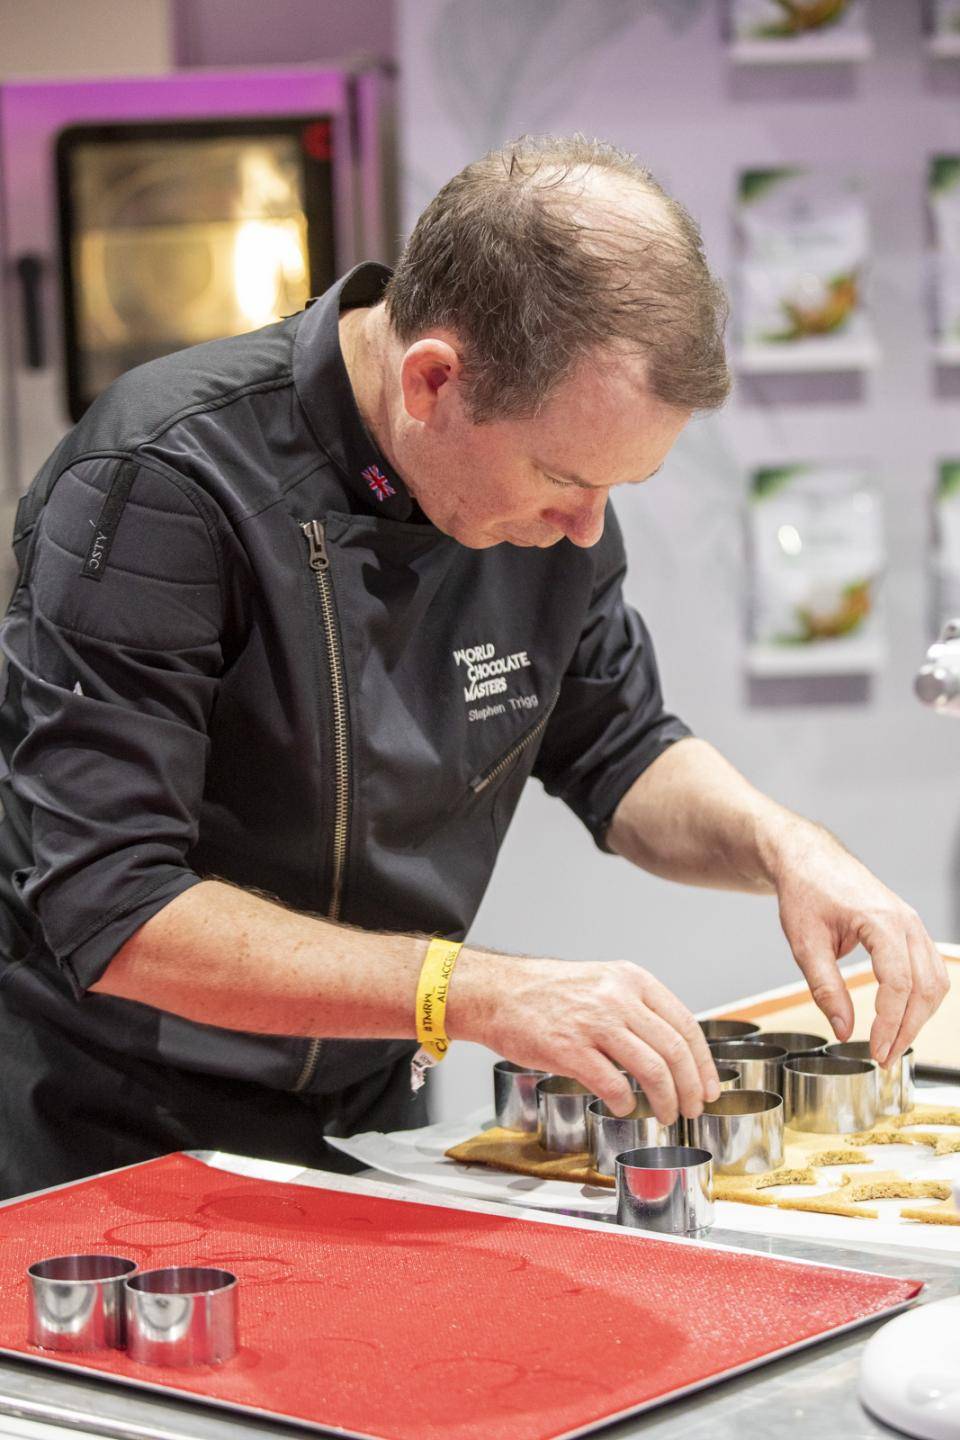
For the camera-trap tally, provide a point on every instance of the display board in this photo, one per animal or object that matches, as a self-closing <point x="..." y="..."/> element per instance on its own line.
<point x="398" y="1319"/>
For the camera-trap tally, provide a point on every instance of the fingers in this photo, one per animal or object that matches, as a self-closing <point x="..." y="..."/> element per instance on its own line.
<point x="662" y="1061"/>
<point x="665" y="1003"/>
<point x="664" y="1070"/>
<point x="663" y="1047"/>
<point x="603" y="1079"/>
<point x="653" y="1074"/>
<point x="912" y="981"/>
<point x="927" y="985"/>
<point x="601" y="1076"/>
<point x="893" y="995"/>
<point x="822" y="974"/>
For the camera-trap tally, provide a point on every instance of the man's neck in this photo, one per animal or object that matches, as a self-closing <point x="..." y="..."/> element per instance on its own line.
<point x="363" y="342"/>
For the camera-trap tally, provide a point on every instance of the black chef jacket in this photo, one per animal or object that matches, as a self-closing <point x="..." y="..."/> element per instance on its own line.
<point x="238" y="649"/>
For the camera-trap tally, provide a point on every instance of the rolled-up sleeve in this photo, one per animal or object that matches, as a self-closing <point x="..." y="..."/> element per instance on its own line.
<point x="609" y="722"/>
<point x="116" y="678"/>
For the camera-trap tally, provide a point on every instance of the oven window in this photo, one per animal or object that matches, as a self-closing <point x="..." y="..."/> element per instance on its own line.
<point x="179" y="233"/>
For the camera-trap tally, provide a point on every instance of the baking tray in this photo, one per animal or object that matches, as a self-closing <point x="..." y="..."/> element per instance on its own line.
<point x="373" y="1314"/>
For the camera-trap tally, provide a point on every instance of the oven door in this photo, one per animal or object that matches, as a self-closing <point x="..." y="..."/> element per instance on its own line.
<point x="178" y="233"/>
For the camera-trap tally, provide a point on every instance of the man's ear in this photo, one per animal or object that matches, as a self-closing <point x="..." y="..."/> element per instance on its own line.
<point x="427" y="366"/>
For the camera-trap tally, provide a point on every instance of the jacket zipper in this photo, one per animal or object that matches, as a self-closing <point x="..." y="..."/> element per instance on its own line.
<point x="480" y="782"/>
<point x="319" y="562"/>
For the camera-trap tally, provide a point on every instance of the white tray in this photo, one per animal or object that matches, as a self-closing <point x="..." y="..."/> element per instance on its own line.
<point x="417" y="1157"/>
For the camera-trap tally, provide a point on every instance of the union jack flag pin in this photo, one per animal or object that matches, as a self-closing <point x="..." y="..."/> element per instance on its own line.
<point x="378" y="482"/>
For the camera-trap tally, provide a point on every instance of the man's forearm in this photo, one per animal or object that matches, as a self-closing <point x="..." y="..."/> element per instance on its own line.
<point x="692" y="817"/>
<point x="223" y="956"/>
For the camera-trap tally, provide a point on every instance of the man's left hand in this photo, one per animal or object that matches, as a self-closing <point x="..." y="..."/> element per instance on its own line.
<point x="829" y="904"/>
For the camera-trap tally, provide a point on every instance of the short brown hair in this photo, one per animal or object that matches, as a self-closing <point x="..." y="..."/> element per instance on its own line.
<point x="531" y="278"/>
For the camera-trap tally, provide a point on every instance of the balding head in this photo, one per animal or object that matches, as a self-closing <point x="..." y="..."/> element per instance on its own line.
<point x="551" y="250"/>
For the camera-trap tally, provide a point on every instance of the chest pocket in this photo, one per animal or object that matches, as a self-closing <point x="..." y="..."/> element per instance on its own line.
<point x="509" y="775"/>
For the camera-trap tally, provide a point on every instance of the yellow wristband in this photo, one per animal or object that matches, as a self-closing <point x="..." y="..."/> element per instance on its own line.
<point x="432" y="988"/>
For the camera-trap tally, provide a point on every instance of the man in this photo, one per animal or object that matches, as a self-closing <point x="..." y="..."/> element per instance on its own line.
<point x="299" y="613"/>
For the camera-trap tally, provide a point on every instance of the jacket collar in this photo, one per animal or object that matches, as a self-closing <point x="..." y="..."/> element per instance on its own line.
<point x="324" y="391"/>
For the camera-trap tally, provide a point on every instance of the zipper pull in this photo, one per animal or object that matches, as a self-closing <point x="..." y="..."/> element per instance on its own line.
<point x="317" y="540"/>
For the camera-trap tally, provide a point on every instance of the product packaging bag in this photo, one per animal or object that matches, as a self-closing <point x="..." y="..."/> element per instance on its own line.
<point x="946" y="547"/>
<point x="943" y="188"/>
<point x="790" y="21"/>
<point x="817" y="555"/>
<point x="805" y="248"/>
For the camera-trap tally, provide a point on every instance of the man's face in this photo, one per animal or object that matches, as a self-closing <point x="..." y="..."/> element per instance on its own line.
<point x="534" y="482"/>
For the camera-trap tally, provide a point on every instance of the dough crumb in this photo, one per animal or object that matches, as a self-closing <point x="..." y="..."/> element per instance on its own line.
<point x="839" y="1157"/>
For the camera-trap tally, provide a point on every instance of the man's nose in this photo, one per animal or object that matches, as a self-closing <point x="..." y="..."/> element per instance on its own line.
<point x="584" y="526"/>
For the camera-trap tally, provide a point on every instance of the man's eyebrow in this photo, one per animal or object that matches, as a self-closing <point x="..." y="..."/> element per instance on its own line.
<point x="584" y="484"/>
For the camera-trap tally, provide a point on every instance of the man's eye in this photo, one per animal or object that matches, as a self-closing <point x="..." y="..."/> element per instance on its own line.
<point x="561" y="484"/>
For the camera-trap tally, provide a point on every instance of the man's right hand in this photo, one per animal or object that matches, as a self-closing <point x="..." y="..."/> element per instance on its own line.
<point x="584" y="1019"/>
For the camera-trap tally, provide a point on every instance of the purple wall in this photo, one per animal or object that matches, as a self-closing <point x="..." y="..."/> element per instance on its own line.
<point x="234" y="32"/>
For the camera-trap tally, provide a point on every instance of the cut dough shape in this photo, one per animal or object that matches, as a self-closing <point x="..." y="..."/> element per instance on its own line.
<point x="837" y="1202"/>
<point x="933" y="1214"/>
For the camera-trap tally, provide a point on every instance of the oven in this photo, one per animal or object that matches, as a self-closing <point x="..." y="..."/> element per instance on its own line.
<point x="141" y="216"/>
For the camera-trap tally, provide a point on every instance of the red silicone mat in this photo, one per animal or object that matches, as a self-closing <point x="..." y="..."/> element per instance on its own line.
<point x="412" y="1321"/>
